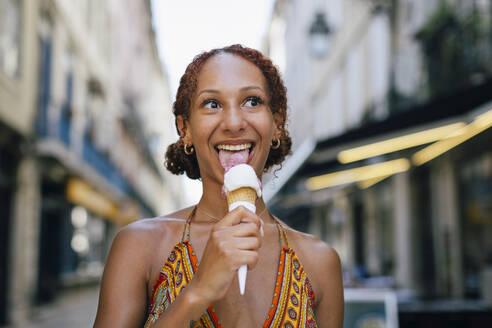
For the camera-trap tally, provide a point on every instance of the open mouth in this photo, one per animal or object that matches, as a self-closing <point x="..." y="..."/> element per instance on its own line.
<point x="240" y="147"/>
<point x="231" y="155"/>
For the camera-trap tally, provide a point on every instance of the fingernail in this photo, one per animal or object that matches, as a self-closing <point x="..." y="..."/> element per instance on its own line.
<point x="261" y="231"/>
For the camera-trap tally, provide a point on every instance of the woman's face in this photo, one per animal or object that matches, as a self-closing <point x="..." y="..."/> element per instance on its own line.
<point x="230" y="108"/>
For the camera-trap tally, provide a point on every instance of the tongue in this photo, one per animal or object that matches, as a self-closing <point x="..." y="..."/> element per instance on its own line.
<point x="229" y="159"/>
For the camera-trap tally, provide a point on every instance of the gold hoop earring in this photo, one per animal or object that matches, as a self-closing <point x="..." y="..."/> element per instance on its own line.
<point x="188" y="151"/>
<point x="276" y="144"/>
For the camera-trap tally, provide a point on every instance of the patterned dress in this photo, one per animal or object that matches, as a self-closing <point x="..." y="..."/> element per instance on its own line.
<point x="293" y="297"/>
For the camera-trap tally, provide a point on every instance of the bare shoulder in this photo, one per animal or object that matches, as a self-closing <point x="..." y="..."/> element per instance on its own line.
<point x="150" y="234"/>
<point x="312" y="249"/>
<point x="156" y="227"/>
<point x="320" y="261"/>
<point x="146" y="231"/>
<point x="130" y="267"/>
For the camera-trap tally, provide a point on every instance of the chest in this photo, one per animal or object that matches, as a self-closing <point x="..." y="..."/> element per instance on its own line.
<point x="235" y="310"/>
<point x="252" y="308"/>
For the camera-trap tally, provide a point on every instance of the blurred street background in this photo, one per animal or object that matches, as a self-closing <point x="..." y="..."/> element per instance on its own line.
<point x="390" y="106"/>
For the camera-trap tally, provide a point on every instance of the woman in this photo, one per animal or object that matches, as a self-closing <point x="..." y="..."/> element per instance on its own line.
<point x="230" y="103"/>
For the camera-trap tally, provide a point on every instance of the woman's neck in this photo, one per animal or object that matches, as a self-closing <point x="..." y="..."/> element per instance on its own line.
<point x="213" y="206"/>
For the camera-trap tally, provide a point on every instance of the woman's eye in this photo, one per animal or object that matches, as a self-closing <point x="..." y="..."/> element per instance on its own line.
<point x="211" y="104"/>
<point x="253" y="102"/>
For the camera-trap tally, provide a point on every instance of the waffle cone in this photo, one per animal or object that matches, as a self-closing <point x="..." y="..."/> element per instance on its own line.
<point x="244" y="194"/>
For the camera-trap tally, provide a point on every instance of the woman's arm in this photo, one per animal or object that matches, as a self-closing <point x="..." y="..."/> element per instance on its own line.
<point x="329" y="312"/>
<point x="123" y="296"/>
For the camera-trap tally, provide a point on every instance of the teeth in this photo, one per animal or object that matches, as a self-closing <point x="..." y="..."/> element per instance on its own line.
<point x="235" y="147"/>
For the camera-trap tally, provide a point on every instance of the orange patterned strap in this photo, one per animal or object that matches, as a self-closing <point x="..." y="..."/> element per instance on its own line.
<point x="293" y="302"/>
<point x="176" y="273"/>
<point x="186" y="230"/>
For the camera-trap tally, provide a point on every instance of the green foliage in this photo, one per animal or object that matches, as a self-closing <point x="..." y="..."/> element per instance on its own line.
<point x="453" y="45"/>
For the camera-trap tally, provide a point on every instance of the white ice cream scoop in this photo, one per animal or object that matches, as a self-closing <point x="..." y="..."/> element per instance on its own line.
<point x="242" y="187"/>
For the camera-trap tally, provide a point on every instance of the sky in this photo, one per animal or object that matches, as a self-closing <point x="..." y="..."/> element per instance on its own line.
<point x="185" y="28"/>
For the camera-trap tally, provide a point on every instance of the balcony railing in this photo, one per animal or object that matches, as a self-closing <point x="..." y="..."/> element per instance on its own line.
<point x="100" y="162"/>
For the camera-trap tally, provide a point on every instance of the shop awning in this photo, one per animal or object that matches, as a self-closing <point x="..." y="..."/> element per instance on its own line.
<point x="81" y="193"/>
<point x="454" y="111"/>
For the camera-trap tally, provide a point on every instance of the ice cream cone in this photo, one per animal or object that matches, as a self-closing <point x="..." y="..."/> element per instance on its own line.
<point x="241" y="187"/>
<point x="246" y="197"/>
<point x="244" y="194"/>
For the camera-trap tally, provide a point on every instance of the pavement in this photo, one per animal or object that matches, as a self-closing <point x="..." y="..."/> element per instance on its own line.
<point x="74" y="309"/>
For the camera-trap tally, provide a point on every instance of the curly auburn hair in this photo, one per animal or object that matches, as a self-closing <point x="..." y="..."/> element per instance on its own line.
<point x="176" y="160"/>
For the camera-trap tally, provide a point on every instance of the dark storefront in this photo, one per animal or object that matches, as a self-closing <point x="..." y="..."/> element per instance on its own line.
<point x="73" y="239"/>
<point x="9" y="157"/>
<point x="53" y="236"/>
<point x="78" y="222"/>
<point x="475" y="179"/>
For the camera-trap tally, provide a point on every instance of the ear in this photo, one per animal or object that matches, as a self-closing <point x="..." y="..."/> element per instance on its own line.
<point x="184" y="131"/>
<point x="278" y="122"/>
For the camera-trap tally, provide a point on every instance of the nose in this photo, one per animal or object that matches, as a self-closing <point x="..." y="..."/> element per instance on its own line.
<point x="233" y="119"/>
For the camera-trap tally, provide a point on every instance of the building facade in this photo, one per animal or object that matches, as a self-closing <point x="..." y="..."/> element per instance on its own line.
<point x="410" y="81"/>
<point x="17" y="114"/>
<point x="85" y="113"/>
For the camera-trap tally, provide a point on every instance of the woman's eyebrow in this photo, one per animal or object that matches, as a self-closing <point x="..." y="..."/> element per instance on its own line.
<point x="250" y="87"/>
<point x="208" y="90"/>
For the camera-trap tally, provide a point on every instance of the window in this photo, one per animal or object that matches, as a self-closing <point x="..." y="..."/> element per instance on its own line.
<point x="476" y="226"/>
<point x="10" y="37"/>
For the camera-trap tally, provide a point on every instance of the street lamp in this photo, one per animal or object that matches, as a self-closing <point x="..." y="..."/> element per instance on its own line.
<point x="320" y="36"/>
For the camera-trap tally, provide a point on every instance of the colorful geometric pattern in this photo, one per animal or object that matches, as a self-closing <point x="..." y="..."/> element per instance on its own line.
<point x="175" y="275"/>
<point x="293" y="298"/>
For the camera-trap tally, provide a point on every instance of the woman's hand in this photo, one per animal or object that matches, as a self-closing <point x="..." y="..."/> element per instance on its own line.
<point x="229" y="246"/>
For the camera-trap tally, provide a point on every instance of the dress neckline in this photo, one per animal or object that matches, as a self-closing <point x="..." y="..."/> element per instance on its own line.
<point x="284" y="250"/>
